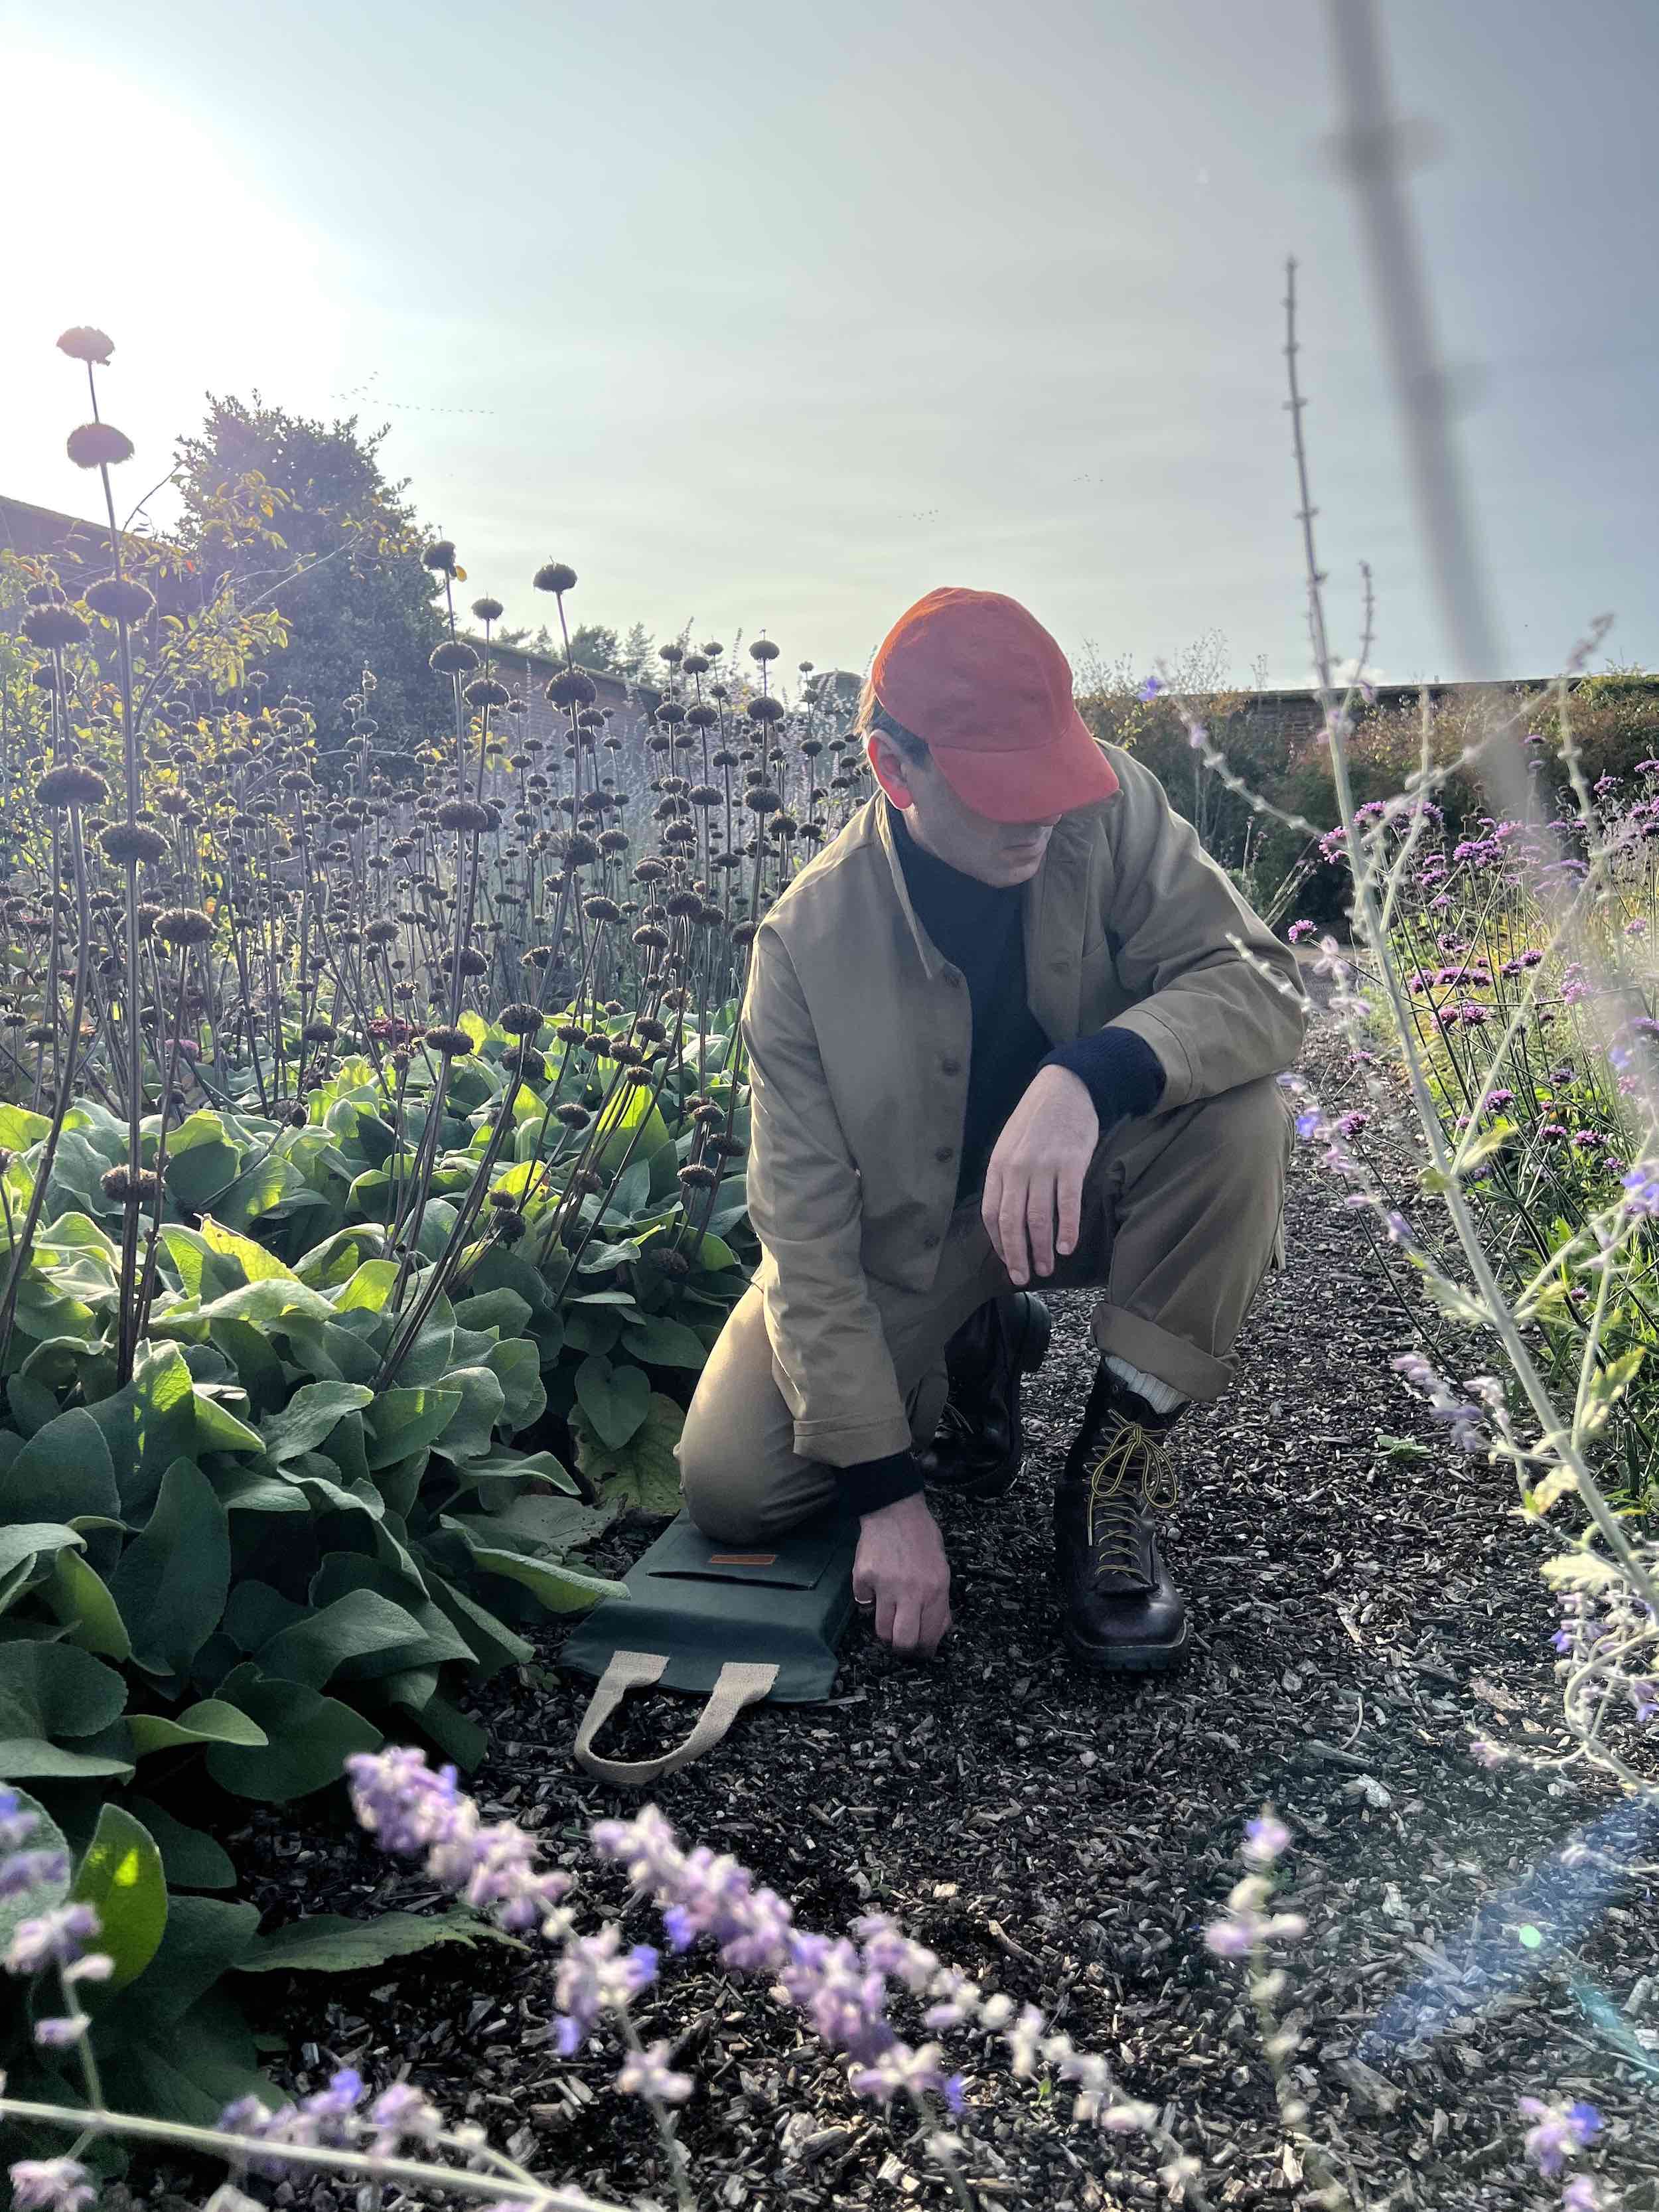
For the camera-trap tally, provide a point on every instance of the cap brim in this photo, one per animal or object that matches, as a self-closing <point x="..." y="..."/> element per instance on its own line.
<point x="1027" y="786"/>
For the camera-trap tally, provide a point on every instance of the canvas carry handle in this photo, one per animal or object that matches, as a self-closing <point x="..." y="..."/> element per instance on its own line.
<point x="741" y="1683"/>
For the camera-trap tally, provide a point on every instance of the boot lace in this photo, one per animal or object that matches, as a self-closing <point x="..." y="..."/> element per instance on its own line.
<point x="1134" y="1475"/>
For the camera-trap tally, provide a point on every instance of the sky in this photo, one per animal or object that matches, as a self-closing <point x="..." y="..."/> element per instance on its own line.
<point x="777" y="316"/>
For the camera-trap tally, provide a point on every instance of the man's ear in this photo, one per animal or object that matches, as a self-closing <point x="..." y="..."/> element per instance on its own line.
<point x="888" y="769"/>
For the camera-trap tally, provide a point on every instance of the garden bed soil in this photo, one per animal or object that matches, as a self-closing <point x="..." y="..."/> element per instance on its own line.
<point x="1359" y="1615"/>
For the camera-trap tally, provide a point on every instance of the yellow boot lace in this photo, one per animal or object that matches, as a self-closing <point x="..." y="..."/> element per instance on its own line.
<point x="1133" y="1474"/>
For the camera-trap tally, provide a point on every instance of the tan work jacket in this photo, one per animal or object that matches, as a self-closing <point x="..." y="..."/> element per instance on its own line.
<point x="858" y="1033"/>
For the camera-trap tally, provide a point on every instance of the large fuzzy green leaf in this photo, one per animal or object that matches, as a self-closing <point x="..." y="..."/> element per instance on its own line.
<point x="148" y="1424"/>
<point x="329" y="1943"/>
<point x="211" y="1721"/>
<point x="80" y="1598"/>
<point x="470" y="1432"/>
<point x="55" y="1691"/>
<point x="121" y="1877"/>
<point x="361" y="1630"/>
<point x="311" y="1737"/>
<point x="402" y="1421"/>
<point x="615" y="1399"/>
<point x="643" y="1472"/>
<point x="62" y="1472"/>
<point x="663" y="1343"/>
<point x="309" y="1415"/>
<point x="171" y="1583"/>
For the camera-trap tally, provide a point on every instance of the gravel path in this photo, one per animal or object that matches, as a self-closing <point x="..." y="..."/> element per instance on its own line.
<point x="1359" y="1614"/>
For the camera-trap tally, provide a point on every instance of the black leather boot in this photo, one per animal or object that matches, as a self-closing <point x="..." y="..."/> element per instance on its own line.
<point x="1121" y="1609"/>
<point x="979" y="1444"/>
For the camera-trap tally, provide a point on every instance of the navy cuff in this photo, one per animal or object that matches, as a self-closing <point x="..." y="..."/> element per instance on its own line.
<point x="1123" y="1074"/>
<point x="873" y="1483"/>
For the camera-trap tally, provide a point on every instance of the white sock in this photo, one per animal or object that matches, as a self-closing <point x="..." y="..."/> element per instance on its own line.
<point x="1162" y="1397"/>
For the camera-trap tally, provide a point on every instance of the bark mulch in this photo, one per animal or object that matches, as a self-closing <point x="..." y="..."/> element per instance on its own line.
<point x="1360" y="1614"/>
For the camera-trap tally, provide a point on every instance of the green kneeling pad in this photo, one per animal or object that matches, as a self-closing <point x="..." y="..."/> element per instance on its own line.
<point x="730" y="1623"/>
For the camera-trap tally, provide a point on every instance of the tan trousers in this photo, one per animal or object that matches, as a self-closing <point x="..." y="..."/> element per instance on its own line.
<point x="1182" y="1216"/>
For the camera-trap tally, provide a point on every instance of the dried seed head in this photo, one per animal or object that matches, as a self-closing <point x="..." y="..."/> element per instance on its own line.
<point x="703" y="716"/>
<point x="318" y="1033"/>
<point x="487" y="609"/>
<point x="454" y="657"/>
<point x="485" y="691"/>
<point x="650" y="1029"/>
<point x="120" y="599"/>
<point x="83" y="342"/>
<point x="526" y="1062"/>
<point x="650" y="939"/>
<point x="466" y="816"/>
<point x="53" y="626"/>
<point x="599" y="908"/>
<point x="695" y="1176"/>
<point x="453" y="1044"/>
<point x="121" y="1184"/>
<point x="765" y="709"/>
<point x="763" y="649"/>
<point x="570" y="688"/>
<point x="74" y="784"/>
<point x="511" y="1228"/>
<point x="184" y="924"/>
<point x="554" y="576"/>
<point x="94" y="445"/>
<point x="572" y="1115"/>
<point x="439" y="556"/>
<point x="520" y="1019"/>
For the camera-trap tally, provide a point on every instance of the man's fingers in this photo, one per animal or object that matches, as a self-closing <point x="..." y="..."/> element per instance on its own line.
<point x="907" y="1626"/>
<point x="989" y="1203"/>
<point x="936" y="1623"/>
<point x="1015" y="1258"/>
<point x="1070" y="1196"/>
<point x="886" y="1609"/>
<point x="864" y="1582"/>
<point x="1039" y="1218"/>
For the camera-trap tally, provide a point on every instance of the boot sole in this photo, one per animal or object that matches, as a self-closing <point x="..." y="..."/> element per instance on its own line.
<point x="1128" y="1658"/>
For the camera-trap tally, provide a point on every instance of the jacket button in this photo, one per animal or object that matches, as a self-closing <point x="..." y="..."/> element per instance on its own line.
<point x="945" y="1151"/>
<point x="929" y="1241"/>
<point x="950" y="1067"/>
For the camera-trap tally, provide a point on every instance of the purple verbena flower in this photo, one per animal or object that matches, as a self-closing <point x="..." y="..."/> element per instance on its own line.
<point x="1299" y="930"/>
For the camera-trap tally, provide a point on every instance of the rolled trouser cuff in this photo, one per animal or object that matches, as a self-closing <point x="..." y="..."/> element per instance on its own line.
<point x="1172" y="1359"/>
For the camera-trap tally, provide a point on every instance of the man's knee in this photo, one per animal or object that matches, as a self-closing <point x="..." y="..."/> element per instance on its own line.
<point x="1247" y="1129"/>
<point x="717" y="1489"/>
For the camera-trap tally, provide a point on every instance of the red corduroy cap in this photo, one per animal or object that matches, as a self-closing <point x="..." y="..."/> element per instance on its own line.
<point x="983" y="683"/>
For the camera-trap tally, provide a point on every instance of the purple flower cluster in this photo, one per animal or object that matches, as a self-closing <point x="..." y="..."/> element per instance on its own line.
<point x="1464" y="1417"/>
<point x="843" y="1986"/>
<point x="1557" y="2132"/>
<point x="399" y="2116"/>
<point x="51" y="2184"/>
<point x="412" y="1811"/>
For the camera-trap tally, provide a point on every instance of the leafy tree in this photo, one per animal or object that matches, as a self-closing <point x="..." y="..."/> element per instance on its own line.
<point x="298" y="514"/>
<point x="635" y="657"/>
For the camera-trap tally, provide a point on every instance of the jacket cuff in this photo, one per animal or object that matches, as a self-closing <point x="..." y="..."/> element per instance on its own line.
<point x="1124" y="1075"/>
<point x="873" y="1483"/>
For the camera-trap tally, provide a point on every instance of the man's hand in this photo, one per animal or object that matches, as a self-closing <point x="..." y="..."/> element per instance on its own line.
<point x="902" y="1569"/>
<point x="1036" y="1171"/>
